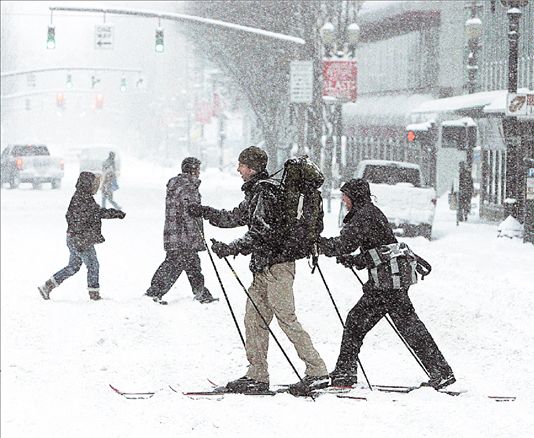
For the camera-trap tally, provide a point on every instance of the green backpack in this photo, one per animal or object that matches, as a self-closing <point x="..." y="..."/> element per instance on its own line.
<point x="300" y="206"/>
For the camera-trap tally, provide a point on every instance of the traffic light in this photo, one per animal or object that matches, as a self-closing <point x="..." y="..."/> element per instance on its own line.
<point x="99" y="101"/>
<point x="411" y="136"/>
<point x="159" y="40"/>
<point x="123" y="85"/>
<point x="60" y="100"/>
<point x="422" y="133"/>
<point x="28" y="104"/>
<point x="69" y="80"/>
<point x="51" y="39"/>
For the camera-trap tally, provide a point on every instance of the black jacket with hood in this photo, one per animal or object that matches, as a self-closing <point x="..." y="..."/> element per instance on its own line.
<point x="84" y="215"/>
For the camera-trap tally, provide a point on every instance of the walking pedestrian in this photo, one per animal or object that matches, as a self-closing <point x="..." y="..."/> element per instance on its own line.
<point x="84" y="219"/>
<point x="109" y="181"/>
<point x="273" y="268"/>
<point x="182" y="237"/>
<point x="366" y="228"/>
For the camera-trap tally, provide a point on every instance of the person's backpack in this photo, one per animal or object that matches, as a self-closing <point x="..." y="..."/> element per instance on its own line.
<point x="395" y="266"/>
<point x="300" y="206"/>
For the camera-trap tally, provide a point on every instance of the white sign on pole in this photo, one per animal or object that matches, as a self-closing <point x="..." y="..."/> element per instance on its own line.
<point x="301" y="82"/>
<point x="520" y="105"/>
<point x="104" y="36"/>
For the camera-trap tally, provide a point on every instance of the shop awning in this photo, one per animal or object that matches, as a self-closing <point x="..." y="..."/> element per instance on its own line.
<point x="389" y="110"/>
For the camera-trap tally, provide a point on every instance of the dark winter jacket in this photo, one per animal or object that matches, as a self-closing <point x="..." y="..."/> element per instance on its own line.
<point x="181" y="231"/>
<point x="258" y="211"/>
<point x="365" y="227"/>
<point x="84" y="215"/>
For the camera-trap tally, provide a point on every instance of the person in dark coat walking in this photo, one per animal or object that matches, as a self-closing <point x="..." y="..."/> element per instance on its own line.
<point x="465" y="192"/>
<point x="273" y="267"/>
<point x="182" y="237"/>
<point x="84" y="231"/>
<point x="366" y="227"/>
<point x="109" y="181"/>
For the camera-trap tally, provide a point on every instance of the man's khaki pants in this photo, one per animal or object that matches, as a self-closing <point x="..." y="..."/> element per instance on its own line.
<point x="272" y="292"/>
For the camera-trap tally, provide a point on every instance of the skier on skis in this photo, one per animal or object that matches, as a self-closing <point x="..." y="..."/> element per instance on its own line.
<point x="366" y="227"/>
<point x="273" y="268"/>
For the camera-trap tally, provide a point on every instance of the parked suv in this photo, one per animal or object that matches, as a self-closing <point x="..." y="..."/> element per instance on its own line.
<point x="31" y="163"/>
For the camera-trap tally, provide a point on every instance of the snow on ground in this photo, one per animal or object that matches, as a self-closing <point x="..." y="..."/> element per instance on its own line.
<point x="58" y="357"/>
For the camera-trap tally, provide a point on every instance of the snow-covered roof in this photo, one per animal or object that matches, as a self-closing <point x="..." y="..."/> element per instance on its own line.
<point x="382" y="110"/>
<point x="463" y="122"/>
<point x="423" y="126"/>
<point x="487" y="101"/>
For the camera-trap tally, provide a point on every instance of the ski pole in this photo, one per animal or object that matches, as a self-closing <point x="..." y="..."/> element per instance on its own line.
<point x="262" y="318"/>
<point x="220" y="282"/>
<point x="396" y="331"/>
<point x="341" y="319"/>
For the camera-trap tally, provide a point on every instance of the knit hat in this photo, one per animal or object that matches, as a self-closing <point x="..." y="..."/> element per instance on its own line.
<point x="357" y="190"/>
<point x="254" y="157"/>
<point x="190" y="165"/>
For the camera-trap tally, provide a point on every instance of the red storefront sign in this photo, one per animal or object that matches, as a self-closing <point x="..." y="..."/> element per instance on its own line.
<point x="339" y="80"/>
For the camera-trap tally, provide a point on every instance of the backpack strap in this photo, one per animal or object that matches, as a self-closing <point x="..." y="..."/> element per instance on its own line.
<point x="423" y="267"/>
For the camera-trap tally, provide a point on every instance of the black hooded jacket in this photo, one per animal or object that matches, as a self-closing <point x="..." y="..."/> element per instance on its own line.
<point x="84" y="215"/>
<point x="364" y="226"/>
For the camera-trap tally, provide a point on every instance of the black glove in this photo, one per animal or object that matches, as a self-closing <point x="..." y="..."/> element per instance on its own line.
<point x="195" y="210"/>
<point x="221" y="249"/>
<point x="121" y="214"/>
<point x="346" y="260"/>
<point x="118" y="214"/>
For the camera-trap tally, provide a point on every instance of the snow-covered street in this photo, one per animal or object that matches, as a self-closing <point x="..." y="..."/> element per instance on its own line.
<point x="58" y="357"/>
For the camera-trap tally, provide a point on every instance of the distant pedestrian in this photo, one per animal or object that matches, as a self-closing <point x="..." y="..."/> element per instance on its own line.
<point x="84" y="220"/>
<point x="465" y="192"/>
<point x="366" y="228"/>
<point x="109" y="181"/>
<point x="182" y="237"/>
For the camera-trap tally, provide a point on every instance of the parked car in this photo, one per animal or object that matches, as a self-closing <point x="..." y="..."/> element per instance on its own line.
<point x="399" y="190"/>
<point x="31" y="163"/>
<point x="92" y="157"/>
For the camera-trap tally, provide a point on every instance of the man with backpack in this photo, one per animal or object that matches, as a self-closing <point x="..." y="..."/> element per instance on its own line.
<point x="273" y="268"/>
<point x="392" y="269"/>
<point x="182" y="237"/>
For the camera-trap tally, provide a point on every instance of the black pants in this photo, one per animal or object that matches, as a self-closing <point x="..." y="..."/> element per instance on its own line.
<point x="365" y="315"/>
<point x="171" y="268"/>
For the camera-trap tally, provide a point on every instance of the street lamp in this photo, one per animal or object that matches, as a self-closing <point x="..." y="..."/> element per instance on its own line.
<point x="473" y="31"/>
<point x="339" y="45"/>
<point x="514" y="153"/>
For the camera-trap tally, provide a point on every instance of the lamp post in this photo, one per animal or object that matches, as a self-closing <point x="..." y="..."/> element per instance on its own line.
<point x="339" y="43"/>
<point x="514" y="166"/>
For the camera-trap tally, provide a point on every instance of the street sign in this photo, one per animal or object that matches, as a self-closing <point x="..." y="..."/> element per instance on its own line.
<point x="301" y="82"/>
<point x="520" y="105"/>
<point x="339" y="80"/>
<point x="104" y="36"/>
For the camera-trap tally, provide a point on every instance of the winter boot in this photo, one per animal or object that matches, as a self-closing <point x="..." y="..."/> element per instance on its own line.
<point x="342" y="379"/>
<point x="205" y="297"/>
<point x="46" y="288"/>
<point x="94" y="293"/>
<point x="308" y="384"/>
<point x="159" y="300"/>
<point x="246" y="385"/>
<point x="440" y="381"/>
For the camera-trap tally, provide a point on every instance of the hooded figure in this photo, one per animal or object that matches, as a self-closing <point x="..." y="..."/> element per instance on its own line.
<point x="366" y="228"/>
<point x="84" y="230"/>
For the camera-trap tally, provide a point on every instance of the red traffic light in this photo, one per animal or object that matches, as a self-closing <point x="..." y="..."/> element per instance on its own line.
<point x="60" y="100"/>
<point x="99" y="101"/>
<point x="410" y="136"/>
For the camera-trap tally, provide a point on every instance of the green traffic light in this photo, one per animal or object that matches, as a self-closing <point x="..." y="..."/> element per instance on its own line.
<point x="159" y="40"/>
<point x="51" y="39"/>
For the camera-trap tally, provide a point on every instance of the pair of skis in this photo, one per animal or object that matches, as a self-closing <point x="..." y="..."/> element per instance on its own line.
<point x="340" y="392"/>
